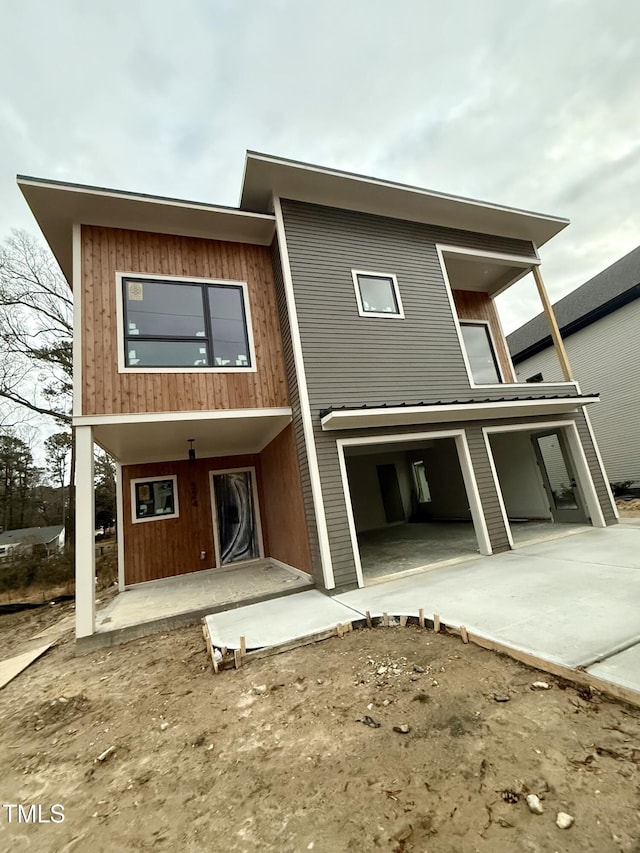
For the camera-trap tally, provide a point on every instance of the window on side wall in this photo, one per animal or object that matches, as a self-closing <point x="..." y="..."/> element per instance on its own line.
<point x="185" y="324"/>
<point x="377" y="294"/>
<point x="154" y="498"/>
<point x="480" y="353"/>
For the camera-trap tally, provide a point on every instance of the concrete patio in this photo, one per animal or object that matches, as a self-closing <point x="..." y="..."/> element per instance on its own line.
<point x="572" y="601"/>
<point x="149" y="607"/>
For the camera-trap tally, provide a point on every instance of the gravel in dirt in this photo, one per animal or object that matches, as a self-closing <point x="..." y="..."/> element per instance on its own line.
<point x="146" y="749"/>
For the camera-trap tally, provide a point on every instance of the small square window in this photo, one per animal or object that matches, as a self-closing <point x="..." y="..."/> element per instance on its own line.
<point x="377" y="294"/>
<point x="153" y="499"/>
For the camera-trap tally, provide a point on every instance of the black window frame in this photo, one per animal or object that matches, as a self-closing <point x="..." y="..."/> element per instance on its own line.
<point x="206" y="341"/>
<point x="492" y="350"/>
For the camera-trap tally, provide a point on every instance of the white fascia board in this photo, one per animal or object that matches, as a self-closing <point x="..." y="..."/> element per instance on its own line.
<point x="266" y="176"/>
<point x="407" y="415"/>
<point x="171" y="417"/>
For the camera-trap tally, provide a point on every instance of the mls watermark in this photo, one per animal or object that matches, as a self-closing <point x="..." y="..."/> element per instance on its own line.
<point x="33" y="813"/>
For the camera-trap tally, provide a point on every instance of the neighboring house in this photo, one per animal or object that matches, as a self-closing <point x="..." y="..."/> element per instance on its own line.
<point x="317" y="377"/>
<point x="599" y="322"/>
<point x="31" y="541"/>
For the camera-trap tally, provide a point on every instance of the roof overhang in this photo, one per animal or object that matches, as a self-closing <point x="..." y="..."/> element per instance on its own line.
<point x="58" y="206"/>
<point x="390" y="416"/>
<point x="136" y="439"/>
<point x="266" y="176"/>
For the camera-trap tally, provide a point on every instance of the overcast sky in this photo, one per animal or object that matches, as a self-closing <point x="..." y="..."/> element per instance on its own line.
<point x="531" y="103"/>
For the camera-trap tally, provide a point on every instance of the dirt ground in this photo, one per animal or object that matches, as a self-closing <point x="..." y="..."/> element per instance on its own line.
<point x="629" y="509"/>
<point x="275" y="756"/>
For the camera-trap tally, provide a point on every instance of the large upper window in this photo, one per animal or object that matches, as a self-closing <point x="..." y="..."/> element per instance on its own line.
<point x="184" y="324"/>
<point x="480" y="353"/>
<point x="377" y="294"/>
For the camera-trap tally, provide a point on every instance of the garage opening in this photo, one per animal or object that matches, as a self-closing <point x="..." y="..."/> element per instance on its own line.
<point x="410" y="506"/>
<point x="540" y="489"/>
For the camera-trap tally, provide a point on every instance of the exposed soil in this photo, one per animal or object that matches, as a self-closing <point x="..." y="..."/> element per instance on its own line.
<point x="210" y="763"/>
<point x="629" y="509"/>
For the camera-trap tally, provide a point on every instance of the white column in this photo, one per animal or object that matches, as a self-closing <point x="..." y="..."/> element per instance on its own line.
<point x="85" y="534"/>
<point x="120" y="526"/>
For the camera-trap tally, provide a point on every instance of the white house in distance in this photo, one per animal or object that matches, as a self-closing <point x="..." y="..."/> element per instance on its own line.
<point x="599" y="323"/>
<point x="31" y="540"/>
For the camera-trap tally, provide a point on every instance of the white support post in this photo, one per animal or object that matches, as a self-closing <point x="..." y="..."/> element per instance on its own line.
<point x="120" y="526"/>
<point x="85" y="534"/>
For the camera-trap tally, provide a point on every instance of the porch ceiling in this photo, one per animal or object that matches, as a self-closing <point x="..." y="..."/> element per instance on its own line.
<point x="485" y="275"/>
<point x="136" y="439"/>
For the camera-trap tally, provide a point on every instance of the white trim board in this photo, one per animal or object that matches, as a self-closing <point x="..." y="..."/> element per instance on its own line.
<point x="305" y="408"/>
<point x="160" y="277"/>
<point x="579" y="460"/>
<point x="169" y="417"/>
<point x="407" y="415"/>
<point x="468" y="475"/>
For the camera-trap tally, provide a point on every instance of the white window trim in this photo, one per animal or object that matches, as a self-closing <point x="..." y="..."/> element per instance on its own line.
<point x="492" y="342"/>
<point x="155" y="479"/>
<point x="214" y="515"/>
<point x="441" y="250"/>
<point x="122" y="366"/>
<point x="396" y="290"/>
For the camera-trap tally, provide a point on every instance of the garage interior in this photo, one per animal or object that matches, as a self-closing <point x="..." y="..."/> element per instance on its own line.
<point x="410" y="506"/>
<point x="541" y="495"/>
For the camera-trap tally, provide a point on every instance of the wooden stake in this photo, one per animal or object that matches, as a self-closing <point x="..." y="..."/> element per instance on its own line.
<point x="463" y="634"/>
<point x="243" y="646"/>
<point x="403" y="621"/>
<point x="385" y="620"/>
<point x="421" y="617"/>
<point x="436" y="623"/>
<point x="553" y="325"/>
<point x="237" y="658"/>
<point x="369" y="623"/>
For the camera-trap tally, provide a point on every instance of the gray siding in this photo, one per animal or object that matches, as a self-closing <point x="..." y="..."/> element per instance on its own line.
<point x="605" y="358"/>
<point x="297" y="417"/>
<point x="353" y="360"/>
<point x="340" y="539"/>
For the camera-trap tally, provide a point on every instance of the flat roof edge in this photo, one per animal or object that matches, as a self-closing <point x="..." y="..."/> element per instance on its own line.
<point x="381" y="182"/>
<point x="50" y="183"/>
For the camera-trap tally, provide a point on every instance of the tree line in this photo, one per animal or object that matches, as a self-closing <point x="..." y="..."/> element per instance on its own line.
<point x="36" y="382"/>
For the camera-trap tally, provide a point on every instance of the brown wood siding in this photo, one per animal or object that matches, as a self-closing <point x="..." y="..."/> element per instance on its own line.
<point x="106" y="251"/>
<point x="172" y="546"/>
<point x="472" y="305"/>
<point x="283" y="515"/>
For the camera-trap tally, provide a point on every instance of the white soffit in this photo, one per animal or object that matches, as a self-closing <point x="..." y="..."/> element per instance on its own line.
<point x="266" y="176"/>
<point x="411" y="415"/>
<point x="57" y="206"/>
<point x="139" y="441"/>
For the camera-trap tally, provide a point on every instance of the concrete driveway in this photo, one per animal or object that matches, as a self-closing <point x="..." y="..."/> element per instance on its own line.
<point x="573" y="600"/>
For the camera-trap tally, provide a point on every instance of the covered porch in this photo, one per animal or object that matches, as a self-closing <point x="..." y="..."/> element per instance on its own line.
<point x="147" y="608"/>
<point x="210" y="516"/>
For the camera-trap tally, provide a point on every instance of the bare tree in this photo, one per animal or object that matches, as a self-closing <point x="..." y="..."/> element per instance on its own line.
<point x="36" y="336"/>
